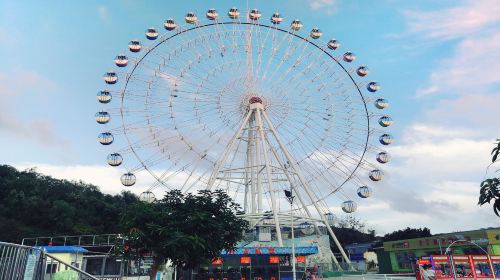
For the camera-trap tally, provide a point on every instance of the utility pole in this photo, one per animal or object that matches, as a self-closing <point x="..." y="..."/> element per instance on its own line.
<point x="290" y="197"/>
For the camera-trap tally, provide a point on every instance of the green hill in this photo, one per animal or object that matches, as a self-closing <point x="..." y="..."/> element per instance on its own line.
<point x="32" y="204"/>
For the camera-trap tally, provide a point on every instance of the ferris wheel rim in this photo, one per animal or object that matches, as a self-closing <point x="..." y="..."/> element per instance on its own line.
<point x="250" y="23"/>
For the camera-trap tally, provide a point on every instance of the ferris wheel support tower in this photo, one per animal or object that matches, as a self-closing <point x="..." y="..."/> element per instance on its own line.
<point x="258" y="161"/>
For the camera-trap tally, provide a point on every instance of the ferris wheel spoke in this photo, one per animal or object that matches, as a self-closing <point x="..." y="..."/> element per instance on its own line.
<point x="314" y="148"/>
<point x="312" y="61"/>
<point x="287" y="57"/>
<point x="284" y="38"/>
<point x="261" y="48"/>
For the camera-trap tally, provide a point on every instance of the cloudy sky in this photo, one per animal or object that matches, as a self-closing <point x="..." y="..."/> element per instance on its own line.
<point x="438" y="62"/>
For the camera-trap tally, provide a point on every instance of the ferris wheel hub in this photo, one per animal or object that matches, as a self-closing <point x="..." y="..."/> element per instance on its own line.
<point x="255" y="102"/>
<point x="255" y="99"/>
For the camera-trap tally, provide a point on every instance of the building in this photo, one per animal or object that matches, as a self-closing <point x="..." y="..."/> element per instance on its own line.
<point x="69" y="254"/>
<point x="362" y="256"/>
<point x="266" y="260"/>
<point x="399" y="256"/>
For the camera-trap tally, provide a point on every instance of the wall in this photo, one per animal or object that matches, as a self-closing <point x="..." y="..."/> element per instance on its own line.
<point x="67" y="258"/>
<point x="384" y="262"/>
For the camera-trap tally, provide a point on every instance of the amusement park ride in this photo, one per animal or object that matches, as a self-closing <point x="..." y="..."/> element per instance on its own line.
<point x="255" y="107"/>
<point x="461" y="266"/>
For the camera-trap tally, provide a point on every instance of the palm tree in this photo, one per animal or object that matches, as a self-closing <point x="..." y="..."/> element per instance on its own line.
<point x="490" y="188"/>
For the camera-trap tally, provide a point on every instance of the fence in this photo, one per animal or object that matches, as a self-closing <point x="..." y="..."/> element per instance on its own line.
<point x="18" y="262"/>
<point x="75" y="240"/>
<point x="369" y="276"/>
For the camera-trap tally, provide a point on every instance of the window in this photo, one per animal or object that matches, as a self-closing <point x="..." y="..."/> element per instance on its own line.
<point x="51" y="268"/>
<point x="482" y="268"/>
<point x="463" y="269"/>
<point x="404" y="259"/>
<point x="94" y="266"/>
<point x="442" y="269"/>
<point x="112" y="267"/>
<point x="496" y="268"/>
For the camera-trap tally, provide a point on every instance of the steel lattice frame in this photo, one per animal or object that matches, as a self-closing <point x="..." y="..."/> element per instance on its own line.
<point x="253" y="109"/>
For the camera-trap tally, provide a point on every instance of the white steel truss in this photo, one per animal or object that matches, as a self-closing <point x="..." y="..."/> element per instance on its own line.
<point x="264" y="168"/>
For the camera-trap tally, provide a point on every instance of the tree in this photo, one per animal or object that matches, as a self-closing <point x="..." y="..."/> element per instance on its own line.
<point x="352" y="230"/>
<point x="490" y="188"/>
<point x="350" y="221"/>
<point x="407" y="233"/>
<point x="32" y="204"/>
<point x="186" y="229"/>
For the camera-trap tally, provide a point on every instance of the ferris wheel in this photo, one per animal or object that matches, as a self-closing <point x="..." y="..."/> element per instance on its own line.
<point x="252" y="105"/>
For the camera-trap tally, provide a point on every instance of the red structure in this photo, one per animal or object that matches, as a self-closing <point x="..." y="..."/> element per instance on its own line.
<point x="461" y="266"/>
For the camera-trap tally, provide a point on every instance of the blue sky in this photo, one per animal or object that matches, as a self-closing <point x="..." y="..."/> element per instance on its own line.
<point x="438" y="63"/>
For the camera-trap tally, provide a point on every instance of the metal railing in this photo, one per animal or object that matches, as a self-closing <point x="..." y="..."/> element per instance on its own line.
<point x="75" y="240"/>
<point x="19" y="262"/>
<point x="370" y="276"/>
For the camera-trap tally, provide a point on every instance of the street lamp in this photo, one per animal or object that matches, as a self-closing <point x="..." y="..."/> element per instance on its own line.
<point x="290" y="197"/>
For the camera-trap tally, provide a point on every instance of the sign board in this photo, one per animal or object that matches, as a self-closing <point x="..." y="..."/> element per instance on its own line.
<point x="217" y="261"/>
<point x="264" y="234"/>
<point x="31" y="263"/>
<point x="245" y="260"/>
<point x="274" y="259"/>
<point x="300" y="259"/>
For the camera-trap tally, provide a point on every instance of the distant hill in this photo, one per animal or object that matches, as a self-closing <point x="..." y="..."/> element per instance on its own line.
<point x="32" y="204"/>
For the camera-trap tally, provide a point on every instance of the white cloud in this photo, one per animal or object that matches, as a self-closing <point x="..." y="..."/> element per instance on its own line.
<point x="439" y="152"/>
<point x="105" y="177"/>
<point x="469" y="69"/>
<point x="441" y="158"/>
<point x="21" y="81"/>
<point x="433" y="180"/>
<point x="328" y="6"/>
<point x="476" y="112"/>
<point x="466" y="19"/>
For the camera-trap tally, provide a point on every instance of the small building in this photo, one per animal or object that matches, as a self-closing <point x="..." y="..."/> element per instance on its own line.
<point x="362" y="256"/>
<point x="69" y="254"/>
<point x="402" y="254"/>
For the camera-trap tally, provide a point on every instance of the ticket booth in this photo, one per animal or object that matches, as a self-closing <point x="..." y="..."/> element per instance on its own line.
<point x="482" y="266"/>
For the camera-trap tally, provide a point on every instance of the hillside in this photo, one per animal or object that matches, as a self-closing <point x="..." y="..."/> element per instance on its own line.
<point x="32" y="204"/>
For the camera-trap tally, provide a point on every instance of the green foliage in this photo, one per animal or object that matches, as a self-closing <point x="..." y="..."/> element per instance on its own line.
<point x="407" y="233"/>
<point x="350" y="221"/>
<point x="32" y="204"/>
<point x="66" y="275"/>
<point x="351" y="230"/>
<point x="490" y="188"/>
<point x="186" y="229"/>
<point x="490" y="191"/>
<point x="495" y="152"/>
